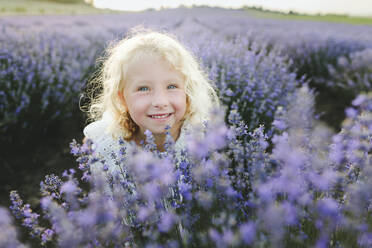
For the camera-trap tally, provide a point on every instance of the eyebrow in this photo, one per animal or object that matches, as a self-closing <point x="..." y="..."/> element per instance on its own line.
<point x="141" y="81"/>
<point x="144" y="81"/>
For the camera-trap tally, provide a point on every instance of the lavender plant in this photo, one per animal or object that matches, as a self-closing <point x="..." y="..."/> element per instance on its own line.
<point x="8" y="235"/>
<point x="251" y="79"/>
<point x="351" y="152"/>
<point x="352" y="72"/>
<point x="41" y="77"/>
<point x="312" y="57"/>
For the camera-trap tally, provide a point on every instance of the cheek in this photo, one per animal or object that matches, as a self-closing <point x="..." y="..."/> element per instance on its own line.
<point x="137" y="107"/>
<point x="181" y="103"/>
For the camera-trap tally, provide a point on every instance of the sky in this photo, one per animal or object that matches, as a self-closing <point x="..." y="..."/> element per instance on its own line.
<point x="350" y="7"/>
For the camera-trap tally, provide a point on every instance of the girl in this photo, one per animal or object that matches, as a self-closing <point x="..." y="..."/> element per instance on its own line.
<point x="149" y="81"/>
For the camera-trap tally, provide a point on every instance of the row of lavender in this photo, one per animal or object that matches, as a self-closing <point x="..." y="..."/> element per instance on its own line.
<point x="312" y="190"/>
<point x="337" y="55"/>
<point x="42" y="74"/>
<point x="335" y="58"/>
<point x="46" y="61"/>
<point x="44" y="69"/>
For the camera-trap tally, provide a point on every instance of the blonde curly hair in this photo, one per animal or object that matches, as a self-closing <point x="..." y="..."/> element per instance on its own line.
<point x="201" y="96"/>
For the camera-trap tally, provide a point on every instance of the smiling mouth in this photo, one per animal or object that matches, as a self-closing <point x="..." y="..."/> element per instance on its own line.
<point x="160" y="116"/>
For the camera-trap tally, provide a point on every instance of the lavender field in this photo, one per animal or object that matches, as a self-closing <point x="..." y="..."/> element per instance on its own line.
<point x="286" y="163"/>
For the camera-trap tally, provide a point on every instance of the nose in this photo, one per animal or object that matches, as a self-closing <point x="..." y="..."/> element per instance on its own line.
<point x="160" y="99"/>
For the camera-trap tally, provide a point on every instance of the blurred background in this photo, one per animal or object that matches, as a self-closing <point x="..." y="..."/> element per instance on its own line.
<point x="343" y="7"/>
<point x="49" y="51"/>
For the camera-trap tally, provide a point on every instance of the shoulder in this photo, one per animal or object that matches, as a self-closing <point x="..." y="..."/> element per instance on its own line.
<point x="104" y="144"/>
<point x="98" y="132"/>
<point x="98" y="128"/>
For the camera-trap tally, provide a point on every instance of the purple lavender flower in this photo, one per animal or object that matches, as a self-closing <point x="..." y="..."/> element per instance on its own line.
<point x="8" y="234"/>
<point x="47" y="236"/>
<point x="328" y="208"/>
<point x="68" y="187"/>
<point x="167" y="220"/>
<point x="247" y="232"/>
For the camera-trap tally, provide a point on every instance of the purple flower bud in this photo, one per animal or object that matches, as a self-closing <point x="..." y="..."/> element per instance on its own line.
<point x="328" y="207"/>
<point x="247" y="232"/>
<point x="166" y="222"/>
<point x="351" y="112"/>
<point x="359" y="100"/>
<point x="47" y="235"/>
<point x="279" y="124"/>
<point x="68" y="187"/>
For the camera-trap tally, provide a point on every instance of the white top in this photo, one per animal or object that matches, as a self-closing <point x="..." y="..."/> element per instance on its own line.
<point x="104" y="144"/>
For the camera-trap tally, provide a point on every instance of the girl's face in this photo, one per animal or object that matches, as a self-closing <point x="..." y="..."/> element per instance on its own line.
<point x="155" y="96"/>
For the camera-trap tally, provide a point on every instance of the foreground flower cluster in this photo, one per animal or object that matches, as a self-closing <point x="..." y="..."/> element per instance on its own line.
<point x="231" y="188"/>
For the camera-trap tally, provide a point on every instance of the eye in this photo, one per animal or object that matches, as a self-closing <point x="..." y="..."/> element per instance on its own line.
<point x="143" y="88"/>
<point x="172" y="86"/>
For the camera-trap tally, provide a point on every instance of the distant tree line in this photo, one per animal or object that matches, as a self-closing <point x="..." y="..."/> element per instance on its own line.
<point x="290" y="12"/>
<point x="66" y="1"/>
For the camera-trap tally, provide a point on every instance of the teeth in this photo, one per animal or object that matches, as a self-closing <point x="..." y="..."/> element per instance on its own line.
<point x="159" y="116"/>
